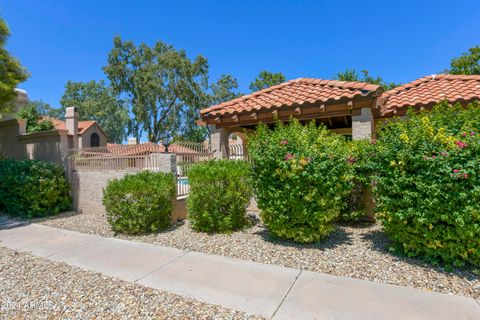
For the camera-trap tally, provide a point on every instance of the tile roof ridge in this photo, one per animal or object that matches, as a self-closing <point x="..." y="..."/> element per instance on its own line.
<point x="314" y="82"/>
<point x="250" y="95"/>
<point x="414" y="83"/>
<point x="433" y="77"/>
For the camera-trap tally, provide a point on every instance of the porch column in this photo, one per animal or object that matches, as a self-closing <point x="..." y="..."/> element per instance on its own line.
<point x="363" y="126"/>
<point x="219" y="142"/>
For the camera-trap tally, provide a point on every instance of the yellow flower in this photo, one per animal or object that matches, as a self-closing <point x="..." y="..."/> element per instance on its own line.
<point x="393" y="163"/>
<point x="404" y="137"/>
<point x="426" y="121"/>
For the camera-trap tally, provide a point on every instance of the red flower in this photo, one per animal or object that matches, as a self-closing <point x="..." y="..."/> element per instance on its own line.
<point x="434" y="156"/>
<point x="465" y="175"/>
<point x="456" y="170"/>
<point x="472" y="133"/>
<point x="464" y="134"/>
<point x="351" y="159"/>
<point x="284" y="142"/>
<point x="461" y="144"/>
<point x="288" y="156"/>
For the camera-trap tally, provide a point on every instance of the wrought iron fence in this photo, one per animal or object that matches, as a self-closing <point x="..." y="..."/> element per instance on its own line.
<point x="237" y="151"/>
<point x="138" y="157"/>
<point x="189" y="153"/>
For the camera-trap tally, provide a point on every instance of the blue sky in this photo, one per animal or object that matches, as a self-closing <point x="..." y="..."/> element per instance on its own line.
<point x="399" y="40"/>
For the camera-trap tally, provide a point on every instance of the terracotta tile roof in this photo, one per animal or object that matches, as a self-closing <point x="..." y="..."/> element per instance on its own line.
<point x="61" y="125"/>
<point x="427" y="91"/>
<point x="293" y="92"/>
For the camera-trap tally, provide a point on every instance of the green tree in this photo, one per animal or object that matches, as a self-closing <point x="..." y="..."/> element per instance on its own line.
<point x="45" y="109"/>
<point x="352" y="75"/>
<point x="11" y="72"/>
<point x="35" y="122"/>
<point x="97" y="101"/>
<point x="225" y="89"/>
<point x="467" y="63"/>
<point x="163" y="87"/>
<point x="266" y="79"/>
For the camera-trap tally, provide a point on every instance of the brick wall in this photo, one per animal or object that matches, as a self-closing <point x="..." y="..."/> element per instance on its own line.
<point x="87" y="186"/>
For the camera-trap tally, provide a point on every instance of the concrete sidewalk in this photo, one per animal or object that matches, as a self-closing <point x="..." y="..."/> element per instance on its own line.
<point x="260" y="289"/>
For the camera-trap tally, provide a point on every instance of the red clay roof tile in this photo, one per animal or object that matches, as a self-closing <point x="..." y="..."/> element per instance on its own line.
<point x="291" y="93"/>
<point x="427" y="91"/>
<point x="61" y="125"/>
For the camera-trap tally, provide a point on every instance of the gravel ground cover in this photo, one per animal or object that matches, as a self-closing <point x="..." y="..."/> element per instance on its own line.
<point x="357" y="251"/>
<point x="37" y="288"/>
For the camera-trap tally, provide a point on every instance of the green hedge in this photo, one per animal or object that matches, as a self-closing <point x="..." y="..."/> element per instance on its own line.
<point x="428" y="184"/>
<point x="301" y="178"/>
<point x="140" y="203"/>
<point x="220" y="191"/>
<point x="33" y="189"/>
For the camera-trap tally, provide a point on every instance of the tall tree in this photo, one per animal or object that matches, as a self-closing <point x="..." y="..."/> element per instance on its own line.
<point x="225" y="89"/>
<point x="96" y="101"/>
<point x="352" y="75"/>
<point x="163" y="87"/>
<point x="467" y="63"/>
<point x="266" y="79"/>
<point x="33" y="115"/>
<point x="43" y="108"/>
<point x="11" y="72"/>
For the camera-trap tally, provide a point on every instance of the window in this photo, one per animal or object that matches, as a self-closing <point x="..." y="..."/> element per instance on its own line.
<point x="94" y="140"/>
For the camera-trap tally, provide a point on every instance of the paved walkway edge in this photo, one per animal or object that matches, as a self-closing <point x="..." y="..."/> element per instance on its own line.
<point x="258" y="289"/>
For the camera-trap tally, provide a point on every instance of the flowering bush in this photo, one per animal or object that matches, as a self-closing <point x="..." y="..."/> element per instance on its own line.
<point x="359" y="200"/>
<point x="220" y="191"/>
<point x="428" y="184"/>
<point x="301" y="177"/>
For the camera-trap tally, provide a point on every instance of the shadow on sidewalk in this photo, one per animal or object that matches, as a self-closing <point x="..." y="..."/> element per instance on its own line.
<point x="9" y="223"/>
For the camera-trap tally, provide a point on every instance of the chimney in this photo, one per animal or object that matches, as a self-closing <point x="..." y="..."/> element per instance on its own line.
<point x="132" y="141"/>
<point x="71" y="117"/>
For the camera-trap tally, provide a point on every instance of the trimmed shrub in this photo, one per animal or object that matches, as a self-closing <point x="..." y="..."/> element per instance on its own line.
<point x="301" y="177"/>
<point x="33" y="189"/>
<point x="140" y="203"/>
<point x="428" y="184"/>
<point x="220" y="191"/>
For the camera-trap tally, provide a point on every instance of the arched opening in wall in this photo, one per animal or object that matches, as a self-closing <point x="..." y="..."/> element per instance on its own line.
<point x="237" y="149"/>
<point x="94" y="140"/>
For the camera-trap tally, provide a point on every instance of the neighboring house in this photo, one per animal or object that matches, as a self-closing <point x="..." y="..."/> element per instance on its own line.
<point x="349" y="108"/>
<point x="53" y="145"/>
<point x="89" y="133"/>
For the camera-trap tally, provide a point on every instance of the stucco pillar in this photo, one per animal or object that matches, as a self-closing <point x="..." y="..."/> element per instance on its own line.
<point x="363" y="126"/>
<point x="219" y="142"/>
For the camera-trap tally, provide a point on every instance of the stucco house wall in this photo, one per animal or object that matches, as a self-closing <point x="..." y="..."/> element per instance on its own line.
<point x="85" y="138"/>
<point x="10" y="147"/>
<point x="46" y="145"/>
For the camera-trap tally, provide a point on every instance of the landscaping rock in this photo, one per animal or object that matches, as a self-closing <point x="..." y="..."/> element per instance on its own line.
<point x="358" y="251"/>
